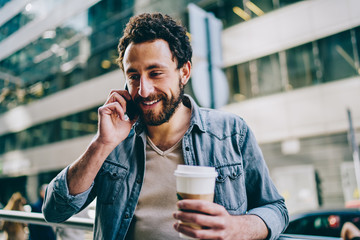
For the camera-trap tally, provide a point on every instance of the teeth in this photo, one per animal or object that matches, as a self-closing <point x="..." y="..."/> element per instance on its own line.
<point x="150" y="103"/>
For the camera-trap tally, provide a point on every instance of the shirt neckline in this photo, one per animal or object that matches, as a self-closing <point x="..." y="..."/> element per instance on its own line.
<point x="159" y="151"/>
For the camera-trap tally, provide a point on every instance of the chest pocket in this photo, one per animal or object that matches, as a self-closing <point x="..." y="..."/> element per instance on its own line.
<point x="230" y="190"/>
<point x="110" y="181"/>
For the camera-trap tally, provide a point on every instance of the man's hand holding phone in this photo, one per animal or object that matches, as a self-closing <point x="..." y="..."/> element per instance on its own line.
<point x="114" y="125"/>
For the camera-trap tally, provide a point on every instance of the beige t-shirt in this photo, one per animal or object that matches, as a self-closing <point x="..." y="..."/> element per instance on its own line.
<point x="153" y="215"/>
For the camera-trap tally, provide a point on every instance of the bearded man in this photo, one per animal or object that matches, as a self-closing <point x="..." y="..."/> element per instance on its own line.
<point x="129" y="165"/>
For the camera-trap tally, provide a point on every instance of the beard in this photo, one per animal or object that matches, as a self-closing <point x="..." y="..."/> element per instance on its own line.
<point x="169" y="105"/>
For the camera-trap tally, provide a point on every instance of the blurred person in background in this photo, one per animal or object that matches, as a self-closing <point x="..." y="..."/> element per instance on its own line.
<point x="14" y="230"/>
<point x="40" y="232"/>
<point x="350" y="232"/>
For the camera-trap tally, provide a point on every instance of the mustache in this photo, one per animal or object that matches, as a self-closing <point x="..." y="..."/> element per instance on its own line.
<point x="150" y="98"/>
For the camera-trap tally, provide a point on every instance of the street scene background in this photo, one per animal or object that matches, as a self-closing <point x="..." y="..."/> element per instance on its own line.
<point x="289" y="68"/>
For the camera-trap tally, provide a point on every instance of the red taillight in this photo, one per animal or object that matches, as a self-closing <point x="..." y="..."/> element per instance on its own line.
<point x="334" y="221"/>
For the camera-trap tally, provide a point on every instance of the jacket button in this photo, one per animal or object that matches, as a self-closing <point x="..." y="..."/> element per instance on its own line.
<point x="127" y="216"/>
<point x="187" y="148"/>
<point x="138" y="180"/>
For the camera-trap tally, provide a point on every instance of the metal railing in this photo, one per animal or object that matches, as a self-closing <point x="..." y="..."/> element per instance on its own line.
<point x="38" y="218"/>
<point x="87" y="224"/>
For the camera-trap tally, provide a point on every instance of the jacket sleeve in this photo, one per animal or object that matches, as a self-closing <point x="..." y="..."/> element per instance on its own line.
<point x="59" y="205"/>
<point x="263" y="197"/>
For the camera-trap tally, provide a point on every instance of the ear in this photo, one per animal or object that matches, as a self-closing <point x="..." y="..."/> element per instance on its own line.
<point x="185" y="72"/>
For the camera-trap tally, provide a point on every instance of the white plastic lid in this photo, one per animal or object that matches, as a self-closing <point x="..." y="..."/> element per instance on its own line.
<point x="195" y="171"/>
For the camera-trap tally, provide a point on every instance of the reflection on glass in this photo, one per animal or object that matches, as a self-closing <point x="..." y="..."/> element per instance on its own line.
<point x="300" y="66"/>
<point x="337" y="57"/>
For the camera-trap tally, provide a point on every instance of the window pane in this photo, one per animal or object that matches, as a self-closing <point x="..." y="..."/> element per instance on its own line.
<point x="239" y="82"/>
<point x="300" y="66"/>
<point x="284" y="3"/>
<point x="269" y="77"/>
<point x="224" y="11"/>
<point x="337" y="57"/>
<point x="263" y="5"/>
<point x="357" y="41"/>
<point x="243" y="72"/>
<point x="231" y="75"/>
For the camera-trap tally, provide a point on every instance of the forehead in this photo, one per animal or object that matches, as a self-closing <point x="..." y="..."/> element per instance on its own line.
<point x="148" y="53"/>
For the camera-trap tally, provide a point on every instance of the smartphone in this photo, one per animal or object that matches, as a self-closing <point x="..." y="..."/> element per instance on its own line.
<point x="131" y="109"/>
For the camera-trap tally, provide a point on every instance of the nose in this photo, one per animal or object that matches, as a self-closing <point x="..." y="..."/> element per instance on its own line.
<point x="146" y="87"/>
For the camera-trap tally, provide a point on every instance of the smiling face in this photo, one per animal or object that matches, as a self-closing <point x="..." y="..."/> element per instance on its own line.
<point x="154" y="81"/>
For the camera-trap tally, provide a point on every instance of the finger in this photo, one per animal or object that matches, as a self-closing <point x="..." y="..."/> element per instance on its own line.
<point x="111" y="109"/>
<point x="123" y="93"/>
<point x="201" y="206"/>
<point x="116" y="97"/>
<point x="197" y="233"/>
<point x="200" y="219"/>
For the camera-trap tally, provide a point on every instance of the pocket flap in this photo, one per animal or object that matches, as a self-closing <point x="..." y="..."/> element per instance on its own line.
<point x="232" y="172"/>
<point x="113" y="171"/>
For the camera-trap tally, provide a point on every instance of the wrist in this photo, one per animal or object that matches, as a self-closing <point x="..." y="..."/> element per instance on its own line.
<point x="102" y="144"/>
<point x="253" y="226"/>
<point x="99" y="147"/>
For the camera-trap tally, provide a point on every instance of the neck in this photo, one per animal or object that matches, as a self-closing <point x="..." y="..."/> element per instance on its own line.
<point x="168" y="134"/>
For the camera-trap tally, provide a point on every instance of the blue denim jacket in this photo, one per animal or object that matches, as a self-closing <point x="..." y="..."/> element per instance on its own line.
<point x="214" y="138"/>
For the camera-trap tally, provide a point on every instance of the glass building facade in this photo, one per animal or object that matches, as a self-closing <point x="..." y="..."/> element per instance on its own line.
<point x="333" y="58"/>
<point x="80" y="49"/>
<point x="83" y="47"/>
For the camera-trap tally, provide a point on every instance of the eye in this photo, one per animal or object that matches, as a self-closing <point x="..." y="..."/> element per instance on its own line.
<point x="134" y="77"/>
<point x="155" y="74"/>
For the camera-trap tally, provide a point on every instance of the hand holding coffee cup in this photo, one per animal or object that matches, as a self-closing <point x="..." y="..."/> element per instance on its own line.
<point x="195" y="182"/>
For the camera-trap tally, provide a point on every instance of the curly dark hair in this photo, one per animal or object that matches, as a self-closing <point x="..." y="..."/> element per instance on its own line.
<point x="151" y="26"/>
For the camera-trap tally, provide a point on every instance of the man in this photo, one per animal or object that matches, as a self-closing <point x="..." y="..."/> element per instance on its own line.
<point x="129" y="164"/>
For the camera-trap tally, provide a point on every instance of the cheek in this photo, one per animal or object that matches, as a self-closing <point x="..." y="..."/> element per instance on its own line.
<point x="173" y="89"/>
<point x="132" y="89"/>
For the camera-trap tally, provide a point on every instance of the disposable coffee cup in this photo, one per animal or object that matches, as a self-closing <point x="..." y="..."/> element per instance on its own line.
<point x="195" y="182"/>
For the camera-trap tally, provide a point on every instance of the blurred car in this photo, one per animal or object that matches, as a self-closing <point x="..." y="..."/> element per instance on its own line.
<point x="305" y="237"/>
<point x="323" y="222"/>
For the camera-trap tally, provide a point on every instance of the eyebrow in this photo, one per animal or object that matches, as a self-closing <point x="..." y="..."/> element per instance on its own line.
<point x="152" y="66"/>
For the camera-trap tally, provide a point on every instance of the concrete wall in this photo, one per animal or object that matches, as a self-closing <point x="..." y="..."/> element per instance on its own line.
<point x="310" y="111"/>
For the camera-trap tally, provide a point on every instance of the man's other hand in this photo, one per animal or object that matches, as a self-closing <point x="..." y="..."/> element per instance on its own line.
<point x="216" y="222"/>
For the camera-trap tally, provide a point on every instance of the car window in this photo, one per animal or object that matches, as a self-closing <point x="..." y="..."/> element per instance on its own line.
<point x="322" y="225"/>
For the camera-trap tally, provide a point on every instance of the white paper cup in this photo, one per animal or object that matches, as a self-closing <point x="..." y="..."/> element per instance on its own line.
<point x="195" y="182"/>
